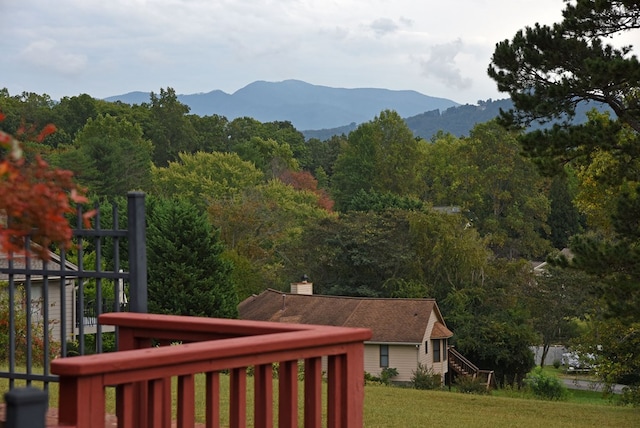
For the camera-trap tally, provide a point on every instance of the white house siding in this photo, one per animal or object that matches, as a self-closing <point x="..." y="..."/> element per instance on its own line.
<point x="54" y="308"/>
<point x="442" y="367"/>
<point x="70" y="310"/>
<point x="372" y="359"/>
<point x="426" y="358"/>
<point x="403" y="358"/>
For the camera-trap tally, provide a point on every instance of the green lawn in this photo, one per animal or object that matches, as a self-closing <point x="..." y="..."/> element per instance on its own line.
<point x="397" y="407"/>
<point x="403" y="407"/>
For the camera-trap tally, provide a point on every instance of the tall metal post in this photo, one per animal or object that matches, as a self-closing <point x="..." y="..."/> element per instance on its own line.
<point x="137" y="252"/>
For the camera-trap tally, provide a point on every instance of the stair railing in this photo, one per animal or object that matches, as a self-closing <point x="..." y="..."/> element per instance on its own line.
<point x="467" y="366"/>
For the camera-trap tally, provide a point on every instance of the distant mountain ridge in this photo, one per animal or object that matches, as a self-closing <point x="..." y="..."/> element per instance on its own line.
<point x="458" y="120"/>
<point x="322" y="112"/>
<point x="305" y="105"/>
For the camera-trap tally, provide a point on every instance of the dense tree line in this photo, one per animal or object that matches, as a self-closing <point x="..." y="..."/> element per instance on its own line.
<point x="356" y="212"/>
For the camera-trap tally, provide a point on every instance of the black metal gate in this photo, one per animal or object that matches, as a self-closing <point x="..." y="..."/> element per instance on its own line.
<point x="45" y="310"/>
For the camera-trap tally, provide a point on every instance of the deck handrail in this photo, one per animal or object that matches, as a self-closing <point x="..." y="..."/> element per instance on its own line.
<point x="468" y="366"/>
<point x="142" y="374"/>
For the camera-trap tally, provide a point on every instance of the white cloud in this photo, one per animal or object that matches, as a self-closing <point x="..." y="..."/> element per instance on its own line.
<point x="382" y="26"/>
<point x="441" y="64"/>
<point x="48" y="55"/>
<point x="151" y="58"/>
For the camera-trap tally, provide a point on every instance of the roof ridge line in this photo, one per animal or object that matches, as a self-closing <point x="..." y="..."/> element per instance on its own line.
<point x="351" y="314"/>
<point x="333" y="296"/>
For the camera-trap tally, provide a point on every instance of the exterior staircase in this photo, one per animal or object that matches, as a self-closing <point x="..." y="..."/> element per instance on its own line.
<point x="463" y="367"/>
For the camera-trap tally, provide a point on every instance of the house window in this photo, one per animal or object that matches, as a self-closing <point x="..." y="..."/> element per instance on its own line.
<point x="435" y="346"/>
<point x="426" y="346"/>
<point x="444" y="350"/>
<point x="384" y="356"/>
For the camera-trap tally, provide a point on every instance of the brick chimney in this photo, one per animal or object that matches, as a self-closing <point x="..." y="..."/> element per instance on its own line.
<point x="302" y="287"/>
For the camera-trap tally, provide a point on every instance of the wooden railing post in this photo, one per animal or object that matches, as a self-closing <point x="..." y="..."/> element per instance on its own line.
<point x="346" y="388"/>
<point x="354" y="386"/>
<point x="288" y="396"/>
<point x="213" y="399"/>
<point x="238" y="398"/>
<point x="140" y="391"/>
<point x="186" y="401"/>
<point x="83" y="403"/>
<point x="313" y="392"/>
<point x="335" y="399"/>
<point x="263" y="396"/>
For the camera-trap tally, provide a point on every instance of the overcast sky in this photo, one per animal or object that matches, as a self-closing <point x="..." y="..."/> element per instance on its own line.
<point x="110" y="47"/>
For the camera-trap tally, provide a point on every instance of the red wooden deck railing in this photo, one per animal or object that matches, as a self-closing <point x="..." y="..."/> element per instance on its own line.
<point x="142" y="373"/>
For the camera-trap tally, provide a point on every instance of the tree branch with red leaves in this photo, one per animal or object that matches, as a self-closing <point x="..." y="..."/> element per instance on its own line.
<point x="34" y="199"/>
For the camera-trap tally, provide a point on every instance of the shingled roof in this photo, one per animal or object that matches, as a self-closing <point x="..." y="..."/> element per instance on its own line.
<point x="390" y="320"/>
<point x="20" y="261"/>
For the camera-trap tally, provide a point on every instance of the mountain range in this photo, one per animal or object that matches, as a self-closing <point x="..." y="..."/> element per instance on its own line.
<point x="305" y="105"/>
<point x="321" y="111"/>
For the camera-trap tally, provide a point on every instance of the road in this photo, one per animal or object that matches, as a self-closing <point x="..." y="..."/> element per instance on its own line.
<point x="588" y="385"/>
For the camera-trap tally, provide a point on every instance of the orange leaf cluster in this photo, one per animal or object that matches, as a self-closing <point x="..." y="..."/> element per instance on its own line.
<point x="303" y="180"/>
<point x="34" y="199"/>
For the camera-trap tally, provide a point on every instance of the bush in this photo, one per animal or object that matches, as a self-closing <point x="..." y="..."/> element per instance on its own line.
<point x="387" y="374"/>
<point x="423" y="378"/>
<point x="35" y="344"/>
<point x="384" y="379"/>
<point x="545" y="386"/>
<point x="370" y="379"/>
<point x="471" y="385"/>
<point x="630" y="396"/>
<point x="556" y="363"/>
<point x="108" y="344"/>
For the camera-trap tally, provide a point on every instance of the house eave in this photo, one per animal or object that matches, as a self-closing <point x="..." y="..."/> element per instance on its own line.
<point x="377" y="342"/>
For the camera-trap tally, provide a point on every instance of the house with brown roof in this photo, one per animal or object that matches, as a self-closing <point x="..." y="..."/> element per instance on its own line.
<point x="406" y="332"/>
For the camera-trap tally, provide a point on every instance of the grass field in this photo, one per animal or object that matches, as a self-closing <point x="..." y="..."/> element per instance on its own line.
<point x="398" y="407"/>
<point x="403" y="407"/>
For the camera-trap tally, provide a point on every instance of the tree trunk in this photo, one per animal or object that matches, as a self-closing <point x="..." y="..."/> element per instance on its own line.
<point x="545" y="351"/>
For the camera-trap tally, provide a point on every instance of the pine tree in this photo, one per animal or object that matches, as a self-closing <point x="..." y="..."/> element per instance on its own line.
<point x="187" y="275"/>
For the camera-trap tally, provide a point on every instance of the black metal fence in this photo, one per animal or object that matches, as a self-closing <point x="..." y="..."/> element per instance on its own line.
<point x="44" y="304"/>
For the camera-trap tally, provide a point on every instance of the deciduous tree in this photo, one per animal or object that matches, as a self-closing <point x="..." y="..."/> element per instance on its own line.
<point x="110" y="156"/>
<point x="381" y="155"/>
<point x="492" y="326"/>
<point x="204" y="177"/>
<point x="502" y="192"/>
<point x="169" y="129"/>
<point x="260" y="225"/>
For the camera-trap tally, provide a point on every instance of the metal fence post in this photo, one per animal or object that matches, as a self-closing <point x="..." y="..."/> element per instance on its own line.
<point x="137" y="252"/>
<point x="26" y="408"/>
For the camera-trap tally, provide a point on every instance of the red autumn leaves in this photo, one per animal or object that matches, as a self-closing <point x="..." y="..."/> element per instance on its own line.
<point x="34" y="199"/>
